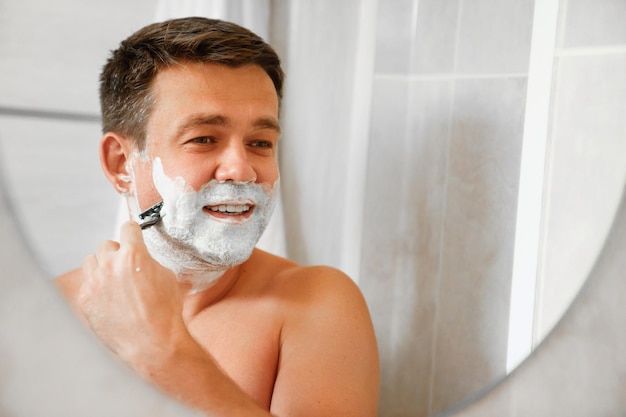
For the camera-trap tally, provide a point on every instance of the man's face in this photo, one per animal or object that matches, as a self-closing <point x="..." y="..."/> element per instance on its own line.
<point x="210" y="122"/>
<point x="211" y="157"/>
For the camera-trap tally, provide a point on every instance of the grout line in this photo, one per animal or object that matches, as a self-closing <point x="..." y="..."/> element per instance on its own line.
<point x="442" y="233"/>
<point x="358" y="141"/>
<point x="49" y="114"/>
<point x="591" y="51"/>
<point x="413" y="43"/>
<point x="442" y="241"/>
<point x="449" y="76"/>
<point x="561" y="25"/>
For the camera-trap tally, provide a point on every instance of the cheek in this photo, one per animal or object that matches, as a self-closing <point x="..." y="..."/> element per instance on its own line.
<point x="266" y="168"/>
<point x="193" y="172"/>
<point x="145" y="192"/>
<point x="269" y="175"/>
<point x="193" y="179"/>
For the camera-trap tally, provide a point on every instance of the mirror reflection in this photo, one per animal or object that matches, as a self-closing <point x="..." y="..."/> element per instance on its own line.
<point x="461" y="164"/>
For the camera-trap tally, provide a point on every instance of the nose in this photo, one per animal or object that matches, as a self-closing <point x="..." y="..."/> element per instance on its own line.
<point x="233" y="165"/>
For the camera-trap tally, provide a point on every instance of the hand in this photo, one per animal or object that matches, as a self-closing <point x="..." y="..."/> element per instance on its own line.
<point x="130" y="301"/>
<point x="135" y="306"/>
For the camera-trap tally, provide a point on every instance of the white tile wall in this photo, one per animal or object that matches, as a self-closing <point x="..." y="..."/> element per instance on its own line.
<point x="597" y="23"/>
<point x="52" y="55"/>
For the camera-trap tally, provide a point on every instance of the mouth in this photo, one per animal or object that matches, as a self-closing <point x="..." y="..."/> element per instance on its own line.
<point x="230" y="211"/>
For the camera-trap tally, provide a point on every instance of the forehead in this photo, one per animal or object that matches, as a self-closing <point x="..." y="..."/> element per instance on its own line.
<point x="207" y="81"/>
<point x="242" y="95"/>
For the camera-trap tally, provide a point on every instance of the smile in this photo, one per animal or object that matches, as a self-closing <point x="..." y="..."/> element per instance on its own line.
<point x="229" y="209"/>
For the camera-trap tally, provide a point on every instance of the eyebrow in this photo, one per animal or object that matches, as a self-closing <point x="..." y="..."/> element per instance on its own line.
<point x="220" y="120"/>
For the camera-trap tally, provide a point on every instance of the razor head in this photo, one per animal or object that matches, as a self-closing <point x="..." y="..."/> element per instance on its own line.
<point x="151" y="216"/>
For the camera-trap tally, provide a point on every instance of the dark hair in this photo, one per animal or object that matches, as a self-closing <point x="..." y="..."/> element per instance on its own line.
<point x="126" y="98"/>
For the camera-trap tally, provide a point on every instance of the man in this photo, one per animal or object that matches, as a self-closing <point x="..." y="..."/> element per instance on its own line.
<point x="190" y="118"/>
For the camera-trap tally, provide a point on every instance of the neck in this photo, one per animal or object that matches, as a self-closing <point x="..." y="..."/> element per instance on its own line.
<point x="197" y="297"/>
<point x="198" y="281"/>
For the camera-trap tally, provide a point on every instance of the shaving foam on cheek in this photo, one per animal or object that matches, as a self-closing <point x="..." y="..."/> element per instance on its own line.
<point x="131" y="195"/>
<point x="197" y="246"/>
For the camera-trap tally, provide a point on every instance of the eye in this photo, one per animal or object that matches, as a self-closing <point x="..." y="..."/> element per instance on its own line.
<point x="203" y="140"/>
<point x="263" y="144"/>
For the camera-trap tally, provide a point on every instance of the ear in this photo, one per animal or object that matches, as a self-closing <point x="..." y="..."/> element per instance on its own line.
<point x="115" y="151"/>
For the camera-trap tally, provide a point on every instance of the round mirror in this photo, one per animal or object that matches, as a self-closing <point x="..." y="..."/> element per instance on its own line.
<point x="443" y="156"/>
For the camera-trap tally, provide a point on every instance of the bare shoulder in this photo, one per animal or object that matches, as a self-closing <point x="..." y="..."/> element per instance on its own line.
<point x="307" y="284"/>
<point x="325" y="296"/>
<point x="320" y="283"/>
<point x="310" y="293"/>
<point x="328" y="346"/>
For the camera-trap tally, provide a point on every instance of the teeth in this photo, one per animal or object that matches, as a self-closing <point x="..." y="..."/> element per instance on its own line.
<point x="229" y="209"/>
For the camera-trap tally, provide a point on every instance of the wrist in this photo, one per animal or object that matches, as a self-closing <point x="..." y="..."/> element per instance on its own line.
<point x="160" y="352"/>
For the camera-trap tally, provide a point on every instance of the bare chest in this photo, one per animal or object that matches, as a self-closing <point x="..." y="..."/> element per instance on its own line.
<point x="244" y="339"/>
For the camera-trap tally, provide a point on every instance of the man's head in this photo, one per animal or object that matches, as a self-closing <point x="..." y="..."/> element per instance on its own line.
<point x="126" y="80"/>
<point x="190" y="113"/>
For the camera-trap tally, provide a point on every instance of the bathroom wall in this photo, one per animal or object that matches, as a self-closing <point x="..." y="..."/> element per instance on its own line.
<point x="49" y="121"/>
<point x="445" y="147"/>
<point x="586" y="170"/>
<point x="446" y="99"/>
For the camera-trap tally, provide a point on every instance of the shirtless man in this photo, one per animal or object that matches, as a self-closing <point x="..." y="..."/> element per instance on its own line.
<point x="190" y="117"/>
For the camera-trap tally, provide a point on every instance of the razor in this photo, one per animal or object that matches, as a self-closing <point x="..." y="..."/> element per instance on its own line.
<point x="151" y="216"/>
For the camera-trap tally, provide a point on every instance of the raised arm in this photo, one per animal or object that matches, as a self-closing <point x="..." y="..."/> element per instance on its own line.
<point x="134" y="305"/>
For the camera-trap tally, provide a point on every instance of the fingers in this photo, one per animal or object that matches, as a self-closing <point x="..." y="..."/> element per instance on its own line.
<point x="107" y="246"/>
<point x="104" y="251"/>
<point x="109" y="254"/>
<point x="131" y="234"/>
<point x="89" y="264"/>
<point x="88" y="287"/>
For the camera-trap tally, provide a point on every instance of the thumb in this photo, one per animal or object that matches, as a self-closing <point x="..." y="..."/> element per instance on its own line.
<point x="130" y="234"/>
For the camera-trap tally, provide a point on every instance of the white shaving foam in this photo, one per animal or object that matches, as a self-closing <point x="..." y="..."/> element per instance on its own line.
<point x="199" y="247"/>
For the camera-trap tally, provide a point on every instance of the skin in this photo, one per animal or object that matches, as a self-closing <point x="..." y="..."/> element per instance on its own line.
<point x="269" y="336"/>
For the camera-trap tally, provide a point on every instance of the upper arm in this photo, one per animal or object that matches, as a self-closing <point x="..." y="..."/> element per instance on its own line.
<point x="328" y="360"/>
